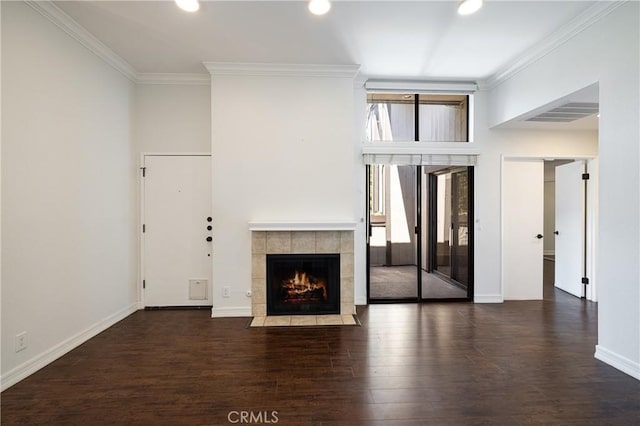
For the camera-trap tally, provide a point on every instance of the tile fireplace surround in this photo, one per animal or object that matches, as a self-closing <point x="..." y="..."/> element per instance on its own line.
<point x="300" y="238"/>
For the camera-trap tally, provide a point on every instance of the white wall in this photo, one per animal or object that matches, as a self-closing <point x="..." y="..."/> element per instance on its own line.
<point x="282" y="149"/>
<point x="173" y="118"/>
<point x="606" y="53"/>
<point x="68" y="192"/>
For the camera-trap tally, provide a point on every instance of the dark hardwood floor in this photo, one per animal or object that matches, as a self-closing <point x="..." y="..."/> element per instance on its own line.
<point x="516" y="363"/>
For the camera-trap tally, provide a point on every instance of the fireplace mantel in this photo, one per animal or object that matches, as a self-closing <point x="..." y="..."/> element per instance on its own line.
<point x="301" y="226"/>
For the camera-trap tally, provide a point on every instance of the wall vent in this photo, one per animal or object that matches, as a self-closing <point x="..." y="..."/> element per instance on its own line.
<point x="198" y="289"/>
<point x="567" y="112"/>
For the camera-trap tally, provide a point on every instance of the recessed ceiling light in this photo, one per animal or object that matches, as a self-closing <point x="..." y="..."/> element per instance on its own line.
<point x="188" y="5"/>
<point x="467" y="7"/>
<point x="319" y="7"/>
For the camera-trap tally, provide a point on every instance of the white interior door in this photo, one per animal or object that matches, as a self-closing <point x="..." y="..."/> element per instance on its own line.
<point x="177" y="255"/>
<point x="570" y="228"/>
<point x="522" y="225"/>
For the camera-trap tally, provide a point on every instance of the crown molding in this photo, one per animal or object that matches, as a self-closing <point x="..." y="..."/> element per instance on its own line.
<point x="56" y="15"/>
<point x="583" y="21"/>
<point x="359" y="81"/>
<point x="282" y="70"/>
<point x="174" y="78"/>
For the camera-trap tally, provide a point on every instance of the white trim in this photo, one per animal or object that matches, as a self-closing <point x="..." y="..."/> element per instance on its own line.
<point x="359" y="81"/>
<point x="56" y="15"/>
<point x="301" y="226"/>
<point x="139" y="235"/>
<point x="552" y="42"/>
<point x="45" y="358"/>
<point x="174" y="78"/>
<point x="239" y="311"/>
<point x="488" y="298"/>
<point x="282" y="70"/>
<point x="593" y="211"/>
<point x="617" y="361"/>
<point x="554" y="157"/>
<point x="451" y="87"/>
<point x="174" y="154"/>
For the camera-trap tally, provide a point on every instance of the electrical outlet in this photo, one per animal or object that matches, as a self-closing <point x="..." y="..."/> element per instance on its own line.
<point x="21" y="341"/>
<point x="226" y="291"/>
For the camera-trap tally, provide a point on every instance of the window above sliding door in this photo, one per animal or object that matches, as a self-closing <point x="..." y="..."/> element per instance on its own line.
<point x="417" y="117"/>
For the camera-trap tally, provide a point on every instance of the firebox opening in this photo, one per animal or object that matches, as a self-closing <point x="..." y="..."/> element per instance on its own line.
<point x="300" y="284"/>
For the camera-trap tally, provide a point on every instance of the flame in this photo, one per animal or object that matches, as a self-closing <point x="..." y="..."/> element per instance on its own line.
<point x="301" y="283"/>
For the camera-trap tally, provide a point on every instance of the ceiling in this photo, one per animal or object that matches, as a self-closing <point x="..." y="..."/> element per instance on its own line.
<point x="389" y="39"/>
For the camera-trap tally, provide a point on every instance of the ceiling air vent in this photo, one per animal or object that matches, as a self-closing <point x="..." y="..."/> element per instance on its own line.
<point x="567" y="112"/>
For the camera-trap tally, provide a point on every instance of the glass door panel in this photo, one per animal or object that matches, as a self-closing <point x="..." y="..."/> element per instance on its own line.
<point x="393" y="263"/>
<point x="443" y="231"/>
<point x="460" y="228"/>
<point x="447" y="275"/>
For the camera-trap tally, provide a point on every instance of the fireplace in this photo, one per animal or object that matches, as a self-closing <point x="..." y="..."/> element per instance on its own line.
<point x="286" y="238"/>
<point x="303" y="284"/>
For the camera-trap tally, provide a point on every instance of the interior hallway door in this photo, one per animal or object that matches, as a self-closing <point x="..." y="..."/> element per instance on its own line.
<point x="570" y="228"/>
<point x="522" y="227"/>
<point x="176" y="231"/>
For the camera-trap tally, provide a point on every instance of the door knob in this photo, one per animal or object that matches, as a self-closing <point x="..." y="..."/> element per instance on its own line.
<point x="539" y="236"/>
<point x="209" y="238"/>
<point x="209" y="219"/>
<point x="556" y="232"/>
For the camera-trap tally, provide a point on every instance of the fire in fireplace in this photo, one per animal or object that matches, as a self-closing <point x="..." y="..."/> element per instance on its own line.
<point x="300" y="284"/>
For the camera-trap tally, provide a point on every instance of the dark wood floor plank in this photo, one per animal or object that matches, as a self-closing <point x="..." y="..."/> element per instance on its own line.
<point x="517" y="363"/>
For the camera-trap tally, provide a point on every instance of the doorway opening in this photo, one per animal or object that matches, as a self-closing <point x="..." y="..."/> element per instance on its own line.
<point x="566" y="221"/>
<point x="420" y="239"/>
<point x="549" y="211"/>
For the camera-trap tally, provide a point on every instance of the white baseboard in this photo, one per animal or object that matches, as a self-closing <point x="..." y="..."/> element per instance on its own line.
<point x="488" y="298"/>
<point x="45" y="358"/>
<point x="240" y="311"/>
<point x="623" y="364"/>
<point x="361" y="301"/>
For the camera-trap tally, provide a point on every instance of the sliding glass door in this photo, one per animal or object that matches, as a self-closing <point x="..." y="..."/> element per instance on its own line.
<point x="450" y="232"/>
<point x="420" y="233"/>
